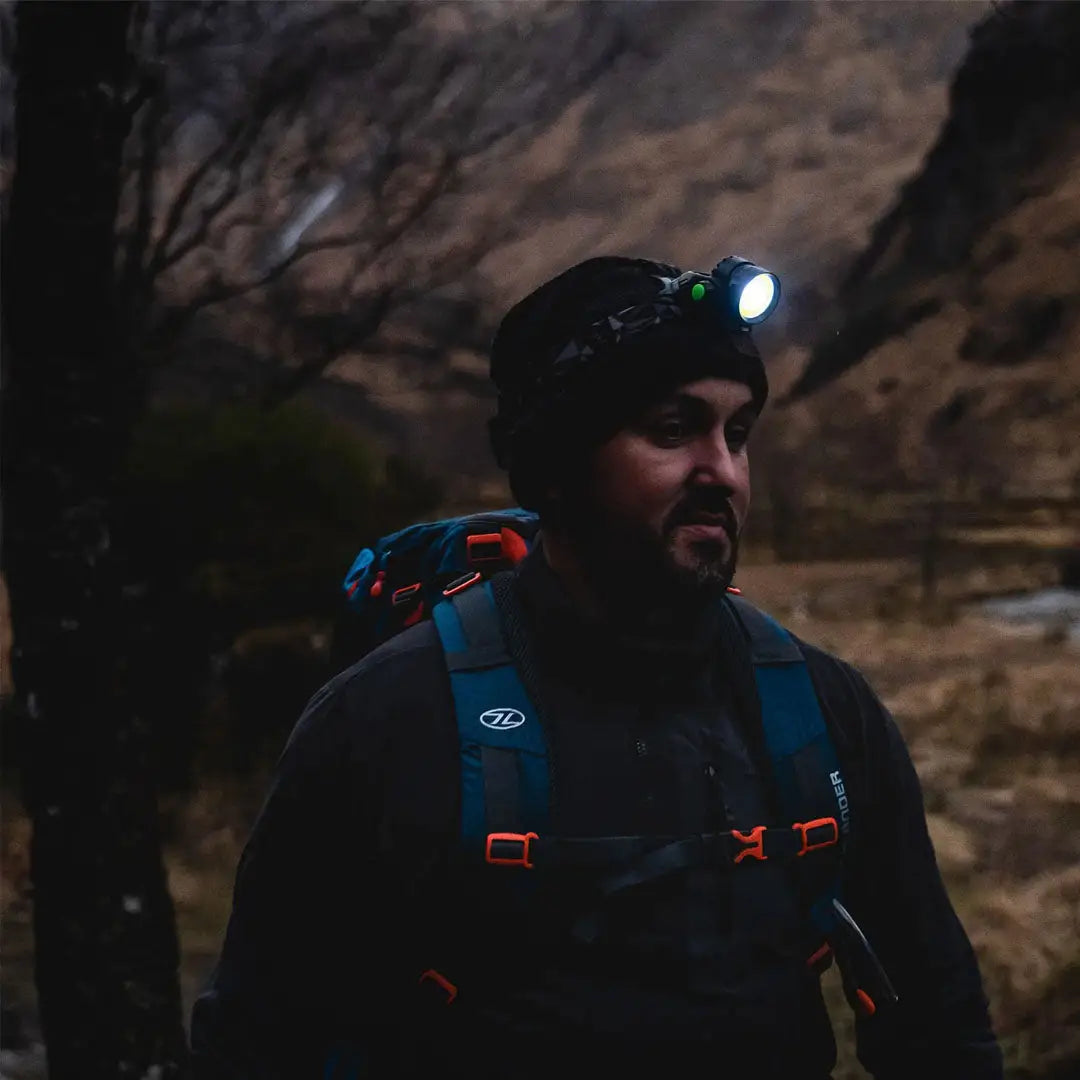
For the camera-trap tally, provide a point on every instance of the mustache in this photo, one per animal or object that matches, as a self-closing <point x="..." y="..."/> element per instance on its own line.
<point x="710" y="503"/>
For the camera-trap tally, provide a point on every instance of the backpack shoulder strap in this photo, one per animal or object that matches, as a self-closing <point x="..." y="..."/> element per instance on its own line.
<point x="805" y="765"/>
<point x="504" y="761"/>
<point x="808" y="776"/>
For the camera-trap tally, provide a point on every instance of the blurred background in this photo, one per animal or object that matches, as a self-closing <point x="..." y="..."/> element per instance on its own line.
<point x="308" y="219"/>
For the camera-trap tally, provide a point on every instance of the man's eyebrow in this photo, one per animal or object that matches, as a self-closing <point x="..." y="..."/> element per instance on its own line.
<point x="701" y="406"/>
<point x="744" y="412"/>
<point x="684" y="401"/>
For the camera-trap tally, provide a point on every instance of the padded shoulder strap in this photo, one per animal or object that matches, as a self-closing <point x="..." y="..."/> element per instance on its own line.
<point x="809" y="782"/>
<point x="504" y="766"/>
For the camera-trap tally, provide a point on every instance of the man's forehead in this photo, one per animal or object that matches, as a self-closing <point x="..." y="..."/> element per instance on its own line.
<point x="727" y="395"/>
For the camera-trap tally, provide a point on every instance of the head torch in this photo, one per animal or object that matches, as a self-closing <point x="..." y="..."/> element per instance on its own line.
<point x="737" y="294"/>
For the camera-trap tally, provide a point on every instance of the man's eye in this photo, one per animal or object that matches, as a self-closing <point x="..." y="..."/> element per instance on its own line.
<point x="669" y="429"/>
<point x="737" y="436"/>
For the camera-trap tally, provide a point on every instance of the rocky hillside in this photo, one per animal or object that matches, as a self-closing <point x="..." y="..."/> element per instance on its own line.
<point x="957" y="329"/>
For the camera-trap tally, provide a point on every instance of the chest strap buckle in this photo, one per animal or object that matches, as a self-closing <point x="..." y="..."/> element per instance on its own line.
<point x="816" y="826"/>
<point x="509" y="849"/>
<point x="755" y="839"/>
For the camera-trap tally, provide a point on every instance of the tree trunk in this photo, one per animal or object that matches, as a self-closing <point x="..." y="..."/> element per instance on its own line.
<point x="106" y="946"/>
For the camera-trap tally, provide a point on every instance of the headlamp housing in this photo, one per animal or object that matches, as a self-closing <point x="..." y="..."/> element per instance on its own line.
<point x="741" y="292"/>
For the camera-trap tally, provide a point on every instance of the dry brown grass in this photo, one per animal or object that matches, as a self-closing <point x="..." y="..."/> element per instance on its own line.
<point x="991" y="714"/>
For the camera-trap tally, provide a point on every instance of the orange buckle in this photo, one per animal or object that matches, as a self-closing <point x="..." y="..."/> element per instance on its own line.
<point x="485" y="547"/>
<point x="818" y="823"/>
<point x="407" y="592"/>
<point x="441" y="980"/>
<point x="509" y="838"/>
<point x="756" y="841"/>
<point x="462" y="583"/>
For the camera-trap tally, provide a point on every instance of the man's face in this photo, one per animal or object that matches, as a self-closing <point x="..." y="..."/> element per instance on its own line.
<point x="668" y="495"/>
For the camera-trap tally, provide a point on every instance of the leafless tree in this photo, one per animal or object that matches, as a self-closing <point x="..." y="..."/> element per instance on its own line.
<point x="296" y="168"/>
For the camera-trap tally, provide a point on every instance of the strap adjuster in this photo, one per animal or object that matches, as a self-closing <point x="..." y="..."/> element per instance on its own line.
<point x="460" y="584"/>
<point x="817" y="825"/>
<point x="755" y="839"/>
<point x="405" y="593"/>
<point x="484" y="548"/>
<point x="498" y="856"/>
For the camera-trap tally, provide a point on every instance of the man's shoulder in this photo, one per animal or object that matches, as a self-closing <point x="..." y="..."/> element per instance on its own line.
<point x="832" y="668"/>
<point x="406" y="668"/>
<point x="416" y="647"/>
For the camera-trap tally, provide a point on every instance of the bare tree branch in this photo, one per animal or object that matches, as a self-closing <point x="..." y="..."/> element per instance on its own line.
<point x="374" y="314"/>
<point x="132" y="276"/>
<point x="306" y="151"/>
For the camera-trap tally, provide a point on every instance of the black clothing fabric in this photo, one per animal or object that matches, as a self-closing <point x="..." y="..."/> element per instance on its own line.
<point x="352" y="883"/>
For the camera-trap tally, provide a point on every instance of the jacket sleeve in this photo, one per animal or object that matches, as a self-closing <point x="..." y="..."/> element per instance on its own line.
<point x="892" y="886"/>
<point x="283" y="993"/>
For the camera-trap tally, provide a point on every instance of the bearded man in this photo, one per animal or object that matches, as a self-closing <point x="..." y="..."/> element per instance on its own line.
<point x="702" y="810"/>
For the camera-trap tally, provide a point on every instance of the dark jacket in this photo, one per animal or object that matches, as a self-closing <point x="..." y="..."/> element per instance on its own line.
<point x="352" y="885"/>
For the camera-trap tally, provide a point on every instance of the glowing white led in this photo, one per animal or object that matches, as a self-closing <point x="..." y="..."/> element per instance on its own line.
<point x="756" y="297"/>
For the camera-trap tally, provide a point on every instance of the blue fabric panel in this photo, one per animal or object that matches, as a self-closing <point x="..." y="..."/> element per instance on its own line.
<point x="822" y="913"/>
<point x="449" y="627"/>
<point x="789" y="707"/>
<point x="494" y="710"/>
<point x="345" y="1063"/>
<point x="331" y="1064"/>
<point x="360" y="566"/>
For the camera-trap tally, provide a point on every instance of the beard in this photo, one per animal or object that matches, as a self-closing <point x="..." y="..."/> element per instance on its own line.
<point x="633" y="566"/>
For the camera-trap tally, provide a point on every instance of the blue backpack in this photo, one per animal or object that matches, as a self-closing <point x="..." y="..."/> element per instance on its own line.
<point x="398" y="582"/>
<point x="441" y="570"/>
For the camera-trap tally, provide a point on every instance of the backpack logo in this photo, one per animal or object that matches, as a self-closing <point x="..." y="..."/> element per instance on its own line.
<point x="502" y="719"/>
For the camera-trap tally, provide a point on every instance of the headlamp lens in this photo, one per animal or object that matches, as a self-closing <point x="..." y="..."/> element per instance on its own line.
<point x="756" y="297"/>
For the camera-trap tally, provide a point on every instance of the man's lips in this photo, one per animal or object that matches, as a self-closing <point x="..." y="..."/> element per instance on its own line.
<point x="707" y="527"/>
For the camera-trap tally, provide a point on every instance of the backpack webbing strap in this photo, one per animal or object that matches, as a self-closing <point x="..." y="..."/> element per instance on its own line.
<point x="502" y="791"/>
<point x="504" y="770"/>
<point x="804" y="762"/>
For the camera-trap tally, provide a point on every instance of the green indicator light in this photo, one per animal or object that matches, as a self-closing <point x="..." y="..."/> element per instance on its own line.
<point x="698" y="292"/>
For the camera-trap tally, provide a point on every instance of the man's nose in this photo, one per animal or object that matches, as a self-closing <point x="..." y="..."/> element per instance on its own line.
<point x="714" y="463"/>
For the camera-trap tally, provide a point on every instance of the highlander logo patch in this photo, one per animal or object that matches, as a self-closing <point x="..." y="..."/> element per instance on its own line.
<point x="502" y="719"/>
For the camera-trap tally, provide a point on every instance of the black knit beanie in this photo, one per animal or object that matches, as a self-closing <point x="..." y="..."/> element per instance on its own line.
<point x="548" y="416"/>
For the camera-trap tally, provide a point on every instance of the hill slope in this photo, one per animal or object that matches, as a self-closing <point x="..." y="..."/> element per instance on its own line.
<point x="958" y="326"/>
